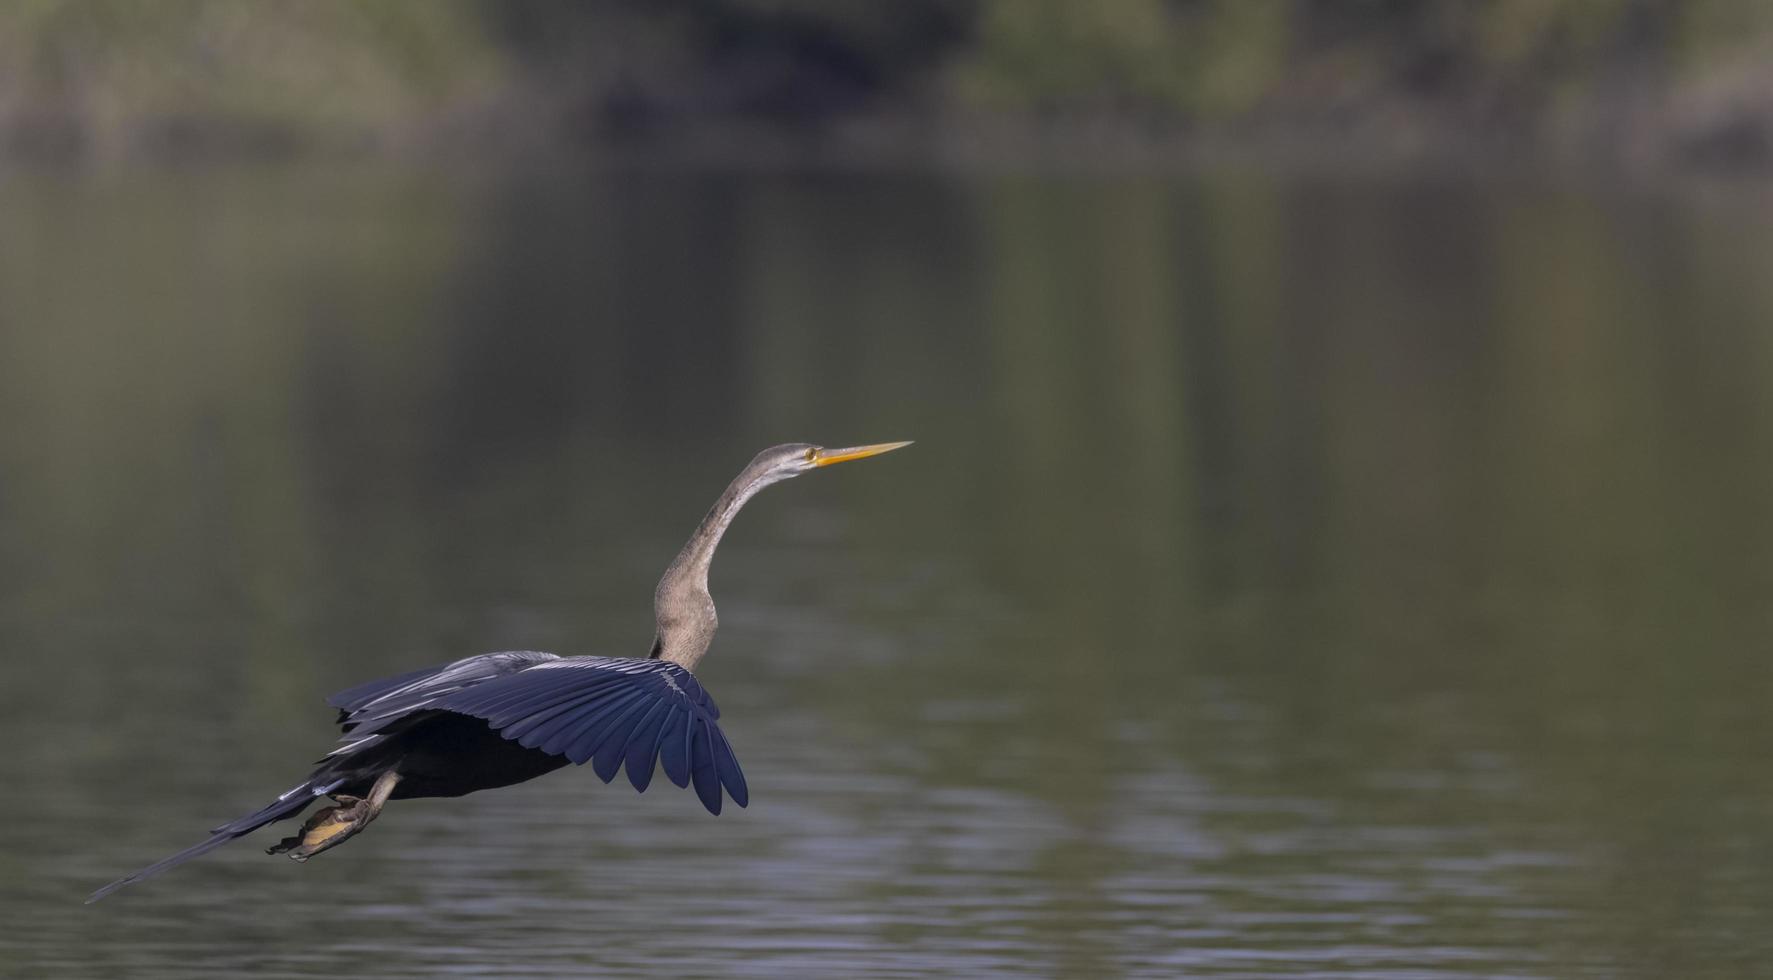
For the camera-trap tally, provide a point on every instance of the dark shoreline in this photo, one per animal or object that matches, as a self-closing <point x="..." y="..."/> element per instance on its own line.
<point x="1387" y="142"/>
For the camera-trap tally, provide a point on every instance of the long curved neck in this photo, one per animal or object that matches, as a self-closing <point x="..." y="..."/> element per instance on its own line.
<point x="681" y="603"/>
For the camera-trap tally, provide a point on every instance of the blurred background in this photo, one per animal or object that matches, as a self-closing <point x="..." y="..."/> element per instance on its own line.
<point x="1337" y="541"/>
<point x="1633" y="84"/>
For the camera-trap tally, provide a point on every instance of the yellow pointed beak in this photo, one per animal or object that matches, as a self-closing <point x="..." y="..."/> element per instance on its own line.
<point x="825" y="457"/>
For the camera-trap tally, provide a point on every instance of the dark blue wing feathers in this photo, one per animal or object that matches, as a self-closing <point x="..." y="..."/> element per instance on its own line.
<point x="607" y="756"/>
<point x="674" y="748"/>
<point x="524" y="703"/>
<point x="641" y="756"/>
<point x="667" y="725"/>
<point x="562" y="715"/>
<point x="578" y="742"/>
<point x="586" y="747"/>
<point x="702" y="771"/>
<point x="731" y="776"/>
<point x="613" y="713"/>
<point x="574" y="721"/>
<point x="367" y="708"/>
<point x="533" y="730"/>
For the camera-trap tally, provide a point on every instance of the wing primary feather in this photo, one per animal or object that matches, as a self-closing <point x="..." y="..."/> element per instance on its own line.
<point x="612" y="749"/>
<point x="533" y="729"/>
<point x="674" y="748"/>
<point x="702" y="769"/>
<point x="612" y="732"/>
<point x="507" y="708"/>
<point x="528" y="697"/>
<point x="544" y="725"/>
<point x="643" y="747"/>
<point x="581" y="741"/>
<point x="559" y="734"/>
<point x="731" y="776"/>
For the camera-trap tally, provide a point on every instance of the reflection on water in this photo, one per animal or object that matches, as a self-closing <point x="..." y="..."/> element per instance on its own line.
<point x="1292" y="577"/>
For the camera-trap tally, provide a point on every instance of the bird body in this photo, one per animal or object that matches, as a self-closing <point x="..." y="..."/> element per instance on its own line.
<point x="496" y="719"/>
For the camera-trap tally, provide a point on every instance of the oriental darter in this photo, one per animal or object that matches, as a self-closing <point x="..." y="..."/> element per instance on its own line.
<point x="502" y="718"/>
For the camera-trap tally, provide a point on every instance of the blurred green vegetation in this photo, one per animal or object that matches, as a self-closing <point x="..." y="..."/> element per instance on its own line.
<point x="122" y="76"/>
<point x="1663" y="80"/>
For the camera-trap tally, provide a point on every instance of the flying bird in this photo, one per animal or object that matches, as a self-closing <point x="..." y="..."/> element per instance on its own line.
<point x="502" y="718"/>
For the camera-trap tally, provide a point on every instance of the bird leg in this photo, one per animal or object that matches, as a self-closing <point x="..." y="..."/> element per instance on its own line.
<point x="333" y="825"/>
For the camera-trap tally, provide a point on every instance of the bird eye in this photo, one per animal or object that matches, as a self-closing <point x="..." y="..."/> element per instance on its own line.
<point x="812" y="453"/>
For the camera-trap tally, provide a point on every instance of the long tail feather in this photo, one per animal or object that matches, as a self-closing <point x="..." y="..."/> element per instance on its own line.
<point x="287" y="805"/>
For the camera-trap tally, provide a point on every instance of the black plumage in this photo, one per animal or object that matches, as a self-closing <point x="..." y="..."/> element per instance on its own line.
<point x="502" y="718"/>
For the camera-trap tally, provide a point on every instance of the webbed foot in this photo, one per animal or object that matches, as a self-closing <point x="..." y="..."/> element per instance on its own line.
<point x="331" y="826"/>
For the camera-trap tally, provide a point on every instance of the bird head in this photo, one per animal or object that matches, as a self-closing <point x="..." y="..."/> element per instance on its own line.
<point x="794" y="458"/>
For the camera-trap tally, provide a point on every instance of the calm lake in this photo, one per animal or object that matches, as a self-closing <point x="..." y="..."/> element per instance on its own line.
<point x="1294" y="576"/>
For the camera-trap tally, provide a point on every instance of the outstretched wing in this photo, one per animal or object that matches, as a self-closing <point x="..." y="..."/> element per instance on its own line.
<point x="368" y="707"/>
<point x="612" y="712"/>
